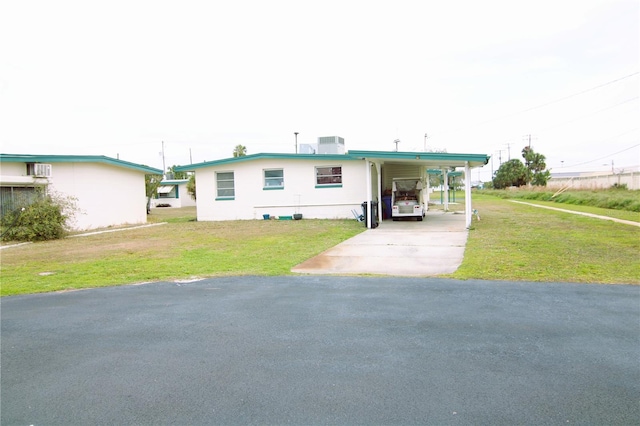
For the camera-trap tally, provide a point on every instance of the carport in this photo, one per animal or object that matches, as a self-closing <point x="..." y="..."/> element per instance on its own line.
<point x="381" y="166"/>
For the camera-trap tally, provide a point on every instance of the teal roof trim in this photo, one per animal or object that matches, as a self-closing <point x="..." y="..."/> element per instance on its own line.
<point x="424" y="156"/>
<point x="262" y="156"/>
<point x="27" y="158"/>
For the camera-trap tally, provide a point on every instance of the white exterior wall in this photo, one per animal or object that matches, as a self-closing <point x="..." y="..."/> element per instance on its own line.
<point x="252" y="201"/>
<point x="13" y="169"/>
<point x="631" y="179"/>
<point x="183" y="200"/>
<point x="106" y="195"/>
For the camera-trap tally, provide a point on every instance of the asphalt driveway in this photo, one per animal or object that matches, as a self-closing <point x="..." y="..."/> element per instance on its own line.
<point x="323" y="350"/>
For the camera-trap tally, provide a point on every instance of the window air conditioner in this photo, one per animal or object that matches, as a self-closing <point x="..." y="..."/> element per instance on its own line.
<point x="42" y="170"/>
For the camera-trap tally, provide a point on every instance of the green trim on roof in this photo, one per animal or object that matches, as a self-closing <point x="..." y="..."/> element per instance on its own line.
<point x="424" y="156"/>
<point x="261" y="156"/>
<point x="451" y="159"/>
<point x="27" y="158"/>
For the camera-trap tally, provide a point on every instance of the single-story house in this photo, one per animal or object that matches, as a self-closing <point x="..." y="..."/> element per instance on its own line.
<point x="108" y="191"/>
<point x="323" y="186"/>
<point x="173" y="193"/>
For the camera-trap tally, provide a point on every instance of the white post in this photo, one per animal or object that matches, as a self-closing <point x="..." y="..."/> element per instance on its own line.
<point x="428" y="193"/>
<point x="379" y="171"/>
<point x="368" y="201"/>
<point x="445" y="177"/>
<point x="467" y="194"/>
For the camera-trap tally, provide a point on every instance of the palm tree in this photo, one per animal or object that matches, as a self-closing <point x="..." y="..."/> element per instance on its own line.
<point x="239" y="151"/>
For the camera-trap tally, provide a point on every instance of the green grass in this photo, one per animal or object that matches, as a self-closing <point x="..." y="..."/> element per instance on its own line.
<point x="182" y="248"/>
<point x="617" y="199"/>
<point x="519" y="242"/>
<point x="511" y="242"/>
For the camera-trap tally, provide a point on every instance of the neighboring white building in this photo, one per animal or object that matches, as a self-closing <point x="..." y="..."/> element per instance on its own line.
<point x="595" y="180"/>
<point x="321" y="186"/>
<point x="173" y="192"/>
<point x="109" y="192"/>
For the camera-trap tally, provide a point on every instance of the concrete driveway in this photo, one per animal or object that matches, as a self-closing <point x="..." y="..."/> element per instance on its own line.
<point x="404" y="248"/>
<point x="307" y="350"/>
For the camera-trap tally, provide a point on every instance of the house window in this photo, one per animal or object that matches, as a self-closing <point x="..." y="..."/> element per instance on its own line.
<point x="13" y="198"/>
<point x="274" y="179"/>
<point x="329" y="177"/>
<point x="225" y="186"/>
<point x="167" y="191"/>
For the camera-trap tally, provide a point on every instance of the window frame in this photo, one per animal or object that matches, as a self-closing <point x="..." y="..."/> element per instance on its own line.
<point x="232" y="188"/>
<point x="336" y="179"/>
<point x="265" y="179"/>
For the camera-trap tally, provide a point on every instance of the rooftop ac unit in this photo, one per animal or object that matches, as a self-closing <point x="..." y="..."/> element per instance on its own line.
<point x="42" y="170"/>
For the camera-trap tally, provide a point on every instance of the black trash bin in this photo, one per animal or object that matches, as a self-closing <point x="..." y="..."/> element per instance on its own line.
<point x="374" y="213"/>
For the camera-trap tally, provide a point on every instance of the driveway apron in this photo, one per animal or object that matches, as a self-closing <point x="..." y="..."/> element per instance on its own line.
<point x="404" y="248"/>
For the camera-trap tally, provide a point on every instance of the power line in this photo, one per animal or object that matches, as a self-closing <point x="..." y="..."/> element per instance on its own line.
<point x="590" y="114"/>
<point x="554" y="101"/>
<point x="579" y="93"/>
<point x="606" y="156"/>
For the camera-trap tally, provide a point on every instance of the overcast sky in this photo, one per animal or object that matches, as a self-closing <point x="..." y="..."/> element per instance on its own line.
<point x="117" y="78"/>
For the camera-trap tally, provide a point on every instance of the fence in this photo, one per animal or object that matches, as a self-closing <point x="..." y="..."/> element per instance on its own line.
<point x="630" y="179"/>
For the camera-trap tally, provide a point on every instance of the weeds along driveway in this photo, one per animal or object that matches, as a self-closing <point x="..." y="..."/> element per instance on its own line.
<point x="323" y="350"/>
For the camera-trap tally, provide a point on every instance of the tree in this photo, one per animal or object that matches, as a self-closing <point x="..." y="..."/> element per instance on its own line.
<point x="177" y="175"/>
<point x="536" y="167"/>
<point x="191" y="186"/>
<point x="511" y="173"/>
<point x="239" y="151"/>
<point x="151" y="183"/>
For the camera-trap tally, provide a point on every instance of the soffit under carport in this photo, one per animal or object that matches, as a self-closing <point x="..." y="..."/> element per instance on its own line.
<point x="431" y="160"/>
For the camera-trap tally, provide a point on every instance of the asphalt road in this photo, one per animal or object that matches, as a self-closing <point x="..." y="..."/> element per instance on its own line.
<point x="323" y="350"/>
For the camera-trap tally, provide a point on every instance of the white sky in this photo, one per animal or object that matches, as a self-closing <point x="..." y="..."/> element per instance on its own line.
<point x="117" y="78"/>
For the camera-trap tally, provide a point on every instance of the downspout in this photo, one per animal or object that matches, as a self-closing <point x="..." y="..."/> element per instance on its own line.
<point x="467" y="194"/>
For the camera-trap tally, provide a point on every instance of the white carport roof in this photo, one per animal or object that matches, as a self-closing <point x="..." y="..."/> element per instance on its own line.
<point x="431" y="160"/>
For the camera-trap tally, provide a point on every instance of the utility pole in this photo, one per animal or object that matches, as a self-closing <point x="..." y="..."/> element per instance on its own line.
<point x="296" y="135"/>
<point x="397" y="141"/>
<point x="425" y="142"/>
<point x="527" y="138"/>
<point x="509" y="150"/>
<point x="190" y="157"/>
<point x="164" y="167"/>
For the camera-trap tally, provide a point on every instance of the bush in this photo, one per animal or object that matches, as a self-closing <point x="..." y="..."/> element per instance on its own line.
<point x="45" y="219"/>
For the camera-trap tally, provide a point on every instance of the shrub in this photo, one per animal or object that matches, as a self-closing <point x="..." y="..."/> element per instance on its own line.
<point x="46" y="219"/>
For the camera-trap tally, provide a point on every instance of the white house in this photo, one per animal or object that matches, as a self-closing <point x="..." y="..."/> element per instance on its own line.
<point x="108" y="191"/>
<point x="323" y="186"/>
<point x="173" y="193"/>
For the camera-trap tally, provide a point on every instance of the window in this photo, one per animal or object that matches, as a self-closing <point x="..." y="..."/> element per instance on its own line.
<point x="168" y="191"/>
<point x="225" y="186"/>
<point x="329" y="176"/>
<point x="15" y="197"/>
<point x="274" y="179"/>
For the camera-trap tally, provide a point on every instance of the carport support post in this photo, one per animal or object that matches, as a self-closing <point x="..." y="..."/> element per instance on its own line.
<point x="467" y="194"/>
<point x="378" y="170"/>
<point x="369" y="195"/>
<point x="445" y="177"/>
